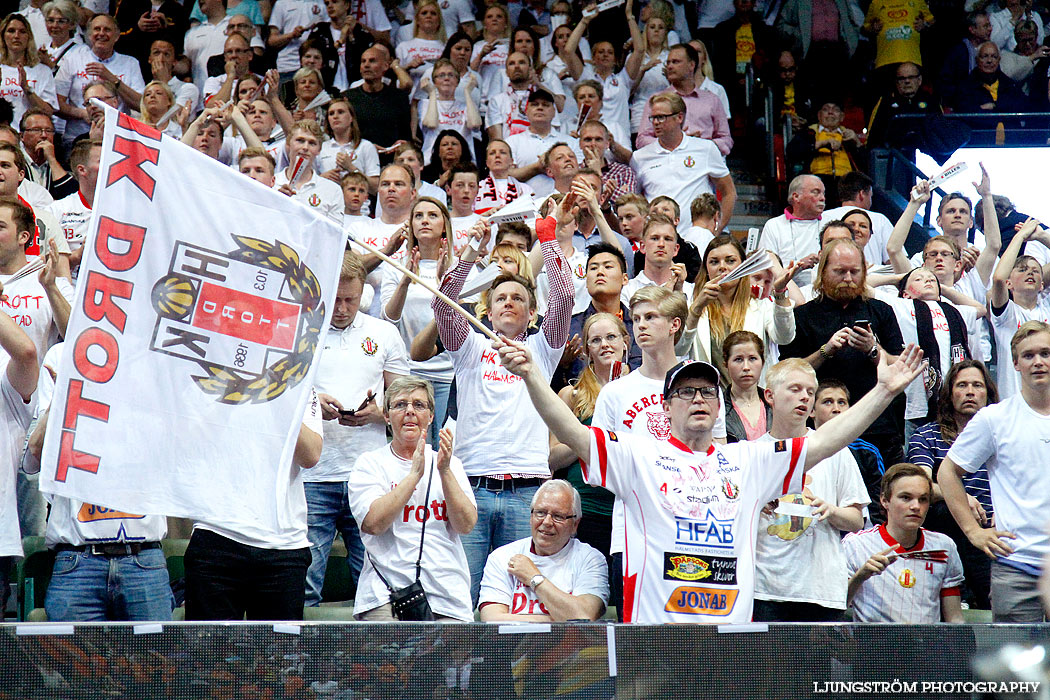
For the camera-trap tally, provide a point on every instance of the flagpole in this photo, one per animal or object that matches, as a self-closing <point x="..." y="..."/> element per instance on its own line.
<point x="426" y="285"/>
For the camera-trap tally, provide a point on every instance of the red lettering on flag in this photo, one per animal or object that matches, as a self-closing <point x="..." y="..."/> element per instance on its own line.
<point x="76" y="406"/>
<point x="129" y="234"/>
<point x="96" y="337"/>
<point x="246" y="316"/>
<point x="135" y="154"/>
<point x="98" y="300"/>
<point x="138" y="127"/>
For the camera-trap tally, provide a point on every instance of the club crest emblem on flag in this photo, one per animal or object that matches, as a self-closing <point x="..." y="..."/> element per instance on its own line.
<point x="250" y="319"/>
<point x="369" y="346"/>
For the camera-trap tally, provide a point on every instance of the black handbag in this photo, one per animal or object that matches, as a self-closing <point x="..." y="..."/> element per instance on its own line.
<point x="410" y="604"/>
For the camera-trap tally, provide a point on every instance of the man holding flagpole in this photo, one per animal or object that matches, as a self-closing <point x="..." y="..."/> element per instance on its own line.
<point x="197" y="335"/>
<point x="503" y="445"/>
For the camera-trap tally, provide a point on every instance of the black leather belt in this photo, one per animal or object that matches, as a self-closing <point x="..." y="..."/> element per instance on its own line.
<point x="127" y="549"/>
<point x="490" y="484"/>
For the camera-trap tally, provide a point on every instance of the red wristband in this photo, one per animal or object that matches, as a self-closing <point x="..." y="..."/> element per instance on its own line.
<point x="545" y="229"/>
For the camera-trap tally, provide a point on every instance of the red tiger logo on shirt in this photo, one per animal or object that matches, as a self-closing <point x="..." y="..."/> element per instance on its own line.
<point x="659" y="425"/>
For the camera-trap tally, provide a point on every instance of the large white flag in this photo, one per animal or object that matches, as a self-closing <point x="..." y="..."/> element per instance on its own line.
<point x="189" y="353"/>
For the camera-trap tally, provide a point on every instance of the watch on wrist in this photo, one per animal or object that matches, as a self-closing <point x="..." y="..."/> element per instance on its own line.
<point x="874" y="352"/>
<point x="536" y="580"/>
<point x="824" y="351"/>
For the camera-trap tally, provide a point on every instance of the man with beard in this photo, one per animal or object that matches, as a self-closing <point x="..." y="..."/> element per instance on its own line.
<point x="842" y="333"/>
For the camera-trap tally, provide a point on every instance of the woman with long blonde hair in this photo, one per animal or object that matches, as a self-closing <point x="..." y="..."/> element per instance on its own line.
<point x="157" y="99"/>
<point x="407" y="305"/>
<point x="719" y="309"/>
<point x="28" y="83"/>
<point x="605" y="344"/>
<point x="645" y="64"/>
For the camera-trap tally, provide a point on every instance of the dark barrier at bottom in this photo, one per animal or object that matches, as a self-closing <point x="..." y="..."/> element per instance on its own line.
<point x="486" y="662"/>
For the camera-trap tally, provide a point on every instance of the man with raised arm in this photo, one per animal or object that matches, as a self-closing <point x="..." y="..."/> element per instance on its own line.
<point x="688" y="500"/>
<point x="504" y="446"/>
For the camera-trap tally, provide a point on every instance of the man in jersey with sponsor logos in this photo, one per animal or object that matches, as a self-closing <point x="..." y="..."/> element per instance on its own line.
<point x="900" y="572"/>
<point x="550" y="576"/>
<point x="74" y="212"/>
<point x="503" y="445"/>
<point x="676" y="494"/>
<point x="635" y="403"/>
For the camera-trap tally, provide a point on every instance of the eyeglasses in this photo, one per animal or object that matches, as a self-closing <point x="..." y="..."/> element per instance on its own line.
<point x="661" y="118"/>
<point x="57" y="20"/>
<point x="902" y="78"/>
<point x="688" y="393"/>
<point x="38" y="130"/>
<point x="558" y="518"/>
<point x="610" y="338"/>
<point x="402" y="406"/>
<point x="938" y="254"/>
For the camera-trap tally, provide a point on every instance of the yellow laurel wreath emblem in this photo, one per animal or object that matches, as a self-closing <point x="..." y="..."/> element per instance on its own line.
<point x="174" y="297"/>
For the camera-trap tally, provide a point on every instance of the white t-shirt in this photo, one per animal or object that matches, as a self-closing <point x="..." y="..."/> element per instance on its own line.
<point x="454" y="13"/>
<point x="444" y="572"/>
<point x="371" y="347"/>
<point x="800" y="559"/>
<point x="286" y="16"/>
<point x="289" y="503"/>
<point x="698" y="236"/>
<point x="507" y="109"/>
<point x="203" y="41"/>
<point x="15" y="414"/>
<point x="616" y="95"/>
<point x="491" y="65"/>
<point x="461" y="230"/>
<point x="494" y="193"/>
<point x="74" y="215"/>
<point x="578" y="269"/>
<point x="904" y="310"/>
<point x="691" y="520"/>
<point x="499" y="431"/>
<point x="683" y="174"/>
<point x="27" y="304"/>
<point x="415" y="315"/>
<point x="365" y="157"/>
<point x="909" y="590"/>
<point x="792" y="239"/>
<point x="452" y="114"/>
<point x="577" y="569"/>
<point x="621" y="405"/>
<point x="427" y="49"/>
<point x="41" y="82"/>
<point x="642" y="280"/>
<point x="652" y="82"/>
<point x="72" y="77"/>
<point x="376" y="234"/>
<point x="1004" y="326"/>
<point x="318" y="193"/>
<point x="1010" y="440"/>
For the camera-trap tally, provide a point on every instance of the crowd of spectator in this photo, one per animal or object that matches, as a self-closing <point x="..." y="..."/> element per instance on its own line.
<point x="639" y="436"/>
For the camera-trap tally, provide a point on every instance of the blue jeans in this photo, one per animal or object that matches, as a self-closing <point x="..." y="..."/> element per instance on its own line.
<point x="328" y="512"/>
<point x="89" y="588"/>
<point x="503" y="517"/>
<point x="441" y="390"/>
